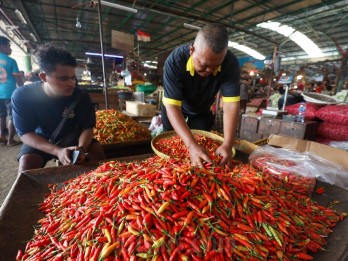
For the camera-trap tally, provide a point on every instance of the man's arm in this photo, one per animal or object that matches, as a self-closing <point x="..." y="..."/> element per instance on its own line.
<point x="197" y="153"/>
<point x="40" y="143"/>
<point x="19" y="80"/>
<point x="231" y="118"/>
<point x="85" y="138"/>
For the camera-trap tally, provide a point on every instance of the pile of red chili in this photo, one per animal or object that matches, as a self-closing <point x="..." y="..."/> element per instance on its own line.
<point x="176" y="149"/>
<point x="160" y="209"/>
<point x="113" y="126"/>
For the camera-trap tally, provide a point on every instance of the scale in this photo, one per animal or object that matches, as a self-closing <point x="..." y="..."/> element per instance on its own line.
<point x="270" y="111"/>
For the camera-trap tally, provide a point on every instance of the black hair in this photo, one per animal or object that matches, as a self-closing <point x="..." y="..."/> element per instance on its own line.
<point x="4" y="40"/>
<point x="48" y="57"/>
<point x="215" y="36"/>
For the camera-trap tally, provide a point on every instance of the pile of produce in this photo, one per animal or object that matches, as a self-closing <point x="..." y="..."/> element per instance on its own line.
<point x="113" y="127"/>
<point x="160" y="209"/>
<point x="168" y="146"/>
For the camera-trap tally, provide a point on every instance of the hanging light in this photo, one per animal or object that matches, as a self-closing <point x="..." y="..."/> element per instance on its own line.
<point x="78" y="24"/>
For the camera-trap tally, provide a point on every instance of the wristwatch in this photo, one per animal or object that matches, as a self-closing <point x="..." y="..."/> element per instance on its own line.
<point x="82" y="149"/>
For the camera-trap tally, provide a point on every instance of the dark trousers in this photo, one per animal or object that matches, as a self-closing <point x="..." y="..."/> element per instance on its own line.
<point x="198" y="122"/>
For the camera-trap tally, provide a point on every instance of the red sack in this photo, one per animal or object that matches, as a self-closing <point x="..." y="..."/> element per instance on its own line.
<point x="310" y="110"/>
<point x="334" y="114"/>
<point x="333" y="131"/>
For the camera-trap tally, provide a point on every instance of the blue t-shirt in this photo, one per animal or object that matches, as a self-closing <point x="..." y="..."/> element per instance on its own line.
<point x="34" y="111"/>
<point x="196" y="93"/>
<point x="8" y="66"/>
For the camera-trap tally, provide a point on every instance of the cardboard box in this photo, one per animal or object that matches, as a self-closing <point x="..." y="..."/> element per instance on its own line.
<point x="140" y="109"/>
<point x="332" y="154"/>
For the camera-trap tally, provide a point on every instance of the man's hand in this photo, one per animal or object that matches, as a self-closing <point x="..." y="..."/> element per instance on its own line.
<point x="198" y="155"/>
<point x="64" y="155"/>
<point x="226" y="153"/>
<point x="82" y="155"/>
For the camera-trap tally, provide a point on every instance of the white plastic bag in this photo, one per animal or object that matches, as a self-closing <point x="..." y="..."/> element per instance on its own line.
<point x="301" y="167"/>
<point x="156" y="126"/>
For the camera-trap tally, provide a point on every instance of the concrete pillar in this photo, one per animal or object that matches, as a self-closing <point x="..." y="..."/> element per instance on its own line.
<point x="27" y="63"/>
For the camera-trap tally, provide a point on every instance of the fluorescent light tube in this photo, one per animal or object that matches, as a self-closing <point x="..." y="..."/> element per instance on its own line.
<point x="246" y="50"/>
<point x="20" y="16"/>
<point x="191" y="26"/>
<point x="33" y="37"/>
<point x="106" y="55"/>
<point x="125" y="8"/>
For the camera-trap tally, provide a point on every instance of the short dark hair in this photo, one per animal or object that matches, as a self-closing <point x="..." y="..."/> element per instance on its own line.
<point x="4" y="40"/>
<point x="48" y="57"/>
<point x="215" y="36"/>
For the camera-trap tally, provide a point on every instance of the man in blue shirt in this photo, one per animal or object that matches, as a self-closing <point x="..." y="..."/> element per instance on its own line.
<point x="193" y="75"/>
<point x="38" y="108"/>
<point x="9" y="77"/>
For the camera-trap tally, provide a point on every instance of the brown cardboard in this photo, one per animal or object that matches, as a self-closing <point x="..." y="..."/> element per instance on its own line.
<point x="140" y="109"/>
<point x="332" y="154"/>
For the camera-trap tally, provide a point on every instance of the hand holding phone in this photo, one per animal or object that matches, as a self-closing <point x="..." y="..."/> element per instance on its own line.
<point x="75" y="156"/>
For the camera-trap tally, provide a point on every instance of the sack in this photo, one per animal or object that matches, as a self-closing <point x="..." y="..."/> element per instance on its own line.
<point x="333" y="131"/>
<point x="337" y="114"/>
<point x="310" y="113"/>
<point x="71" y="139"/>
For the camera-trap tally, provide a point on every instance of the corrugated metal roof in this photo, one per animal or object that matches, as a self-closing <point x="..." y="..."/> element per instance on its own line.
<point x="54" y="21"/>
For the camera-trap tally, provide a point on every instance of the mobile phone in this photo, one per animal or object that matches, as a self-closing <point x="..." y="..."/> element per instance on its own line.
<point x="75" y="156"/>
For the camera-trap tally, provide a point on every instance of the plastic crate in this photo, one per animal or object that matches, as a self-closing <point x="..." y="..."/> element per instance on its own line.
<point x="146" y="89"/>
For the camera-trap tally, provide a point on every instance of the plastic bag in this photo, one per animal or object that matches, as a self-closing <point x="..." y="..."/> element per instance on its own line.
<point x="155" y="122"/>
<point x="157" y="131"/>
<point x="290" y="168"/>
<point x="328" y="171"/>
<point x="156" y="126"/>
<point x="339" y="144"/>
<point x="296" y="170"/>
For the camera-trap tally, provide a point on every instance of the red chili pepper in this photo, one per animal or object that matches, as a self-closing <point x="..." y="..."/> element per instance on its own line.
<point x="320" y="190"/>
<point x="244" y="227"/>
<point x="303" y="256"/>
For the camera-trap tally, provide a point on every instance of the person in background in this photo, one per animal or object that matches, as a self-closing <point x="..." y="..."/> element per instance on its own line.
<point x="319" y="88"/>
<point x="326" y="86"/>
<point x="193" y="75"/>
<point x="22" y="74"/>
<point x="311" y="87"/>
<point x="244" y="95"/>
<point x="300" y="87"/>
<point x="39" y="107"/>
<point x="293" y="97"/>
<point x="32" y="76"/>
<point x="9" y="77"/>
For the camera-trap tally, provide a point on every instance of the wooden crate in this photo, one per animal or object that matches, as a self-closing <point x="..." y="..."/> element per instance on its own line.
<point x="98" y="100"/>
<point x="140" y="109"/>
